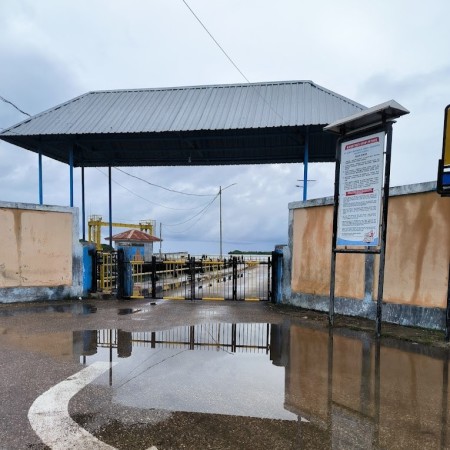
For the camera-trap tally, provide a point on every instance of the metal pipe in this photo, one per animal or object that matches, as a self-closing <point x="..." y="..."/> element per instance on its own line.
<point x="305" y="166"/>
<point x="220" y="213"/>
<point x="41" y="191"/>
<point x="83" y="205"/>
<point x="447" y="316"/>
<point x="220" y="219"/>
<point x="71" y="175"/>
<point x="334" y="235"/>
<point x="387" y="174"/>
<point x="444" y="409"/>
<point x="356" y="250"/>
<point x="110" y="206"/>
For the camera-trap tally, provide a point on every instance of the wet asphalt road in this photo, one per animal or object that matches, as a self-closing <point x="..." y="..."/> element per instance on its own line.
<point x="262" y="376"/>
<point x="34" y="355"/>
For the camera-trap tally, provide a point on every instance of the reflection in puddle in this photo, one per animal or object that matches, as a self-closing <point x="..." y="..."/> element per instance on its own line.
<point x="126" y="311"/>
<point x="73" y="308"/>
<point x="353" y="392"/>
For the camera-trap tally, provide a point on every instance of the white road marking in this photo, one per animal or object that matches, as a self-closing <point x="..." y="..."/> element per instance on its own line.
<point x="49" y="414"/>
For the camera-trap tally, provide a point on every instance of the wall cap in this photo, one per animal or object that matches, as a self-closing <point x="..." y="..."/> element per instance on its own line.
<point x="36" y="207"/>
<point x="407" y="189"/>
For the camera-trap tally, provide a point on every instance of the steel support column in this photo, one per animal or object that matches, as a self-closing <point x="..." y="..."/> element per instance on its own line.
<point x="387" y="174"/>
<point x="71" y="176"/>
<point x="41" y="191"/>
<point x="110" y="206"/>
<point x="334" y="235"/>
<point x="447" y="315"/>
<point x="305" y="167"/>
<point x="83" y="205"/>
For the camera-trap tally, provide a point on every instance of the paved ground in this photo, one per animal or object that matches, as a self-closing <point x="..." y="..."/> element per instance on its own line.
<point x="34" y="357"/>
<point x="30" y="366"/>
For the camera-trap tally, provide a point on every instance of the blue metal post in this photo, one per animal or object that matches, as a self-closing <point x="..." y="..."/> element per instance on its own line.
<point x="305" y="167"/>
<point x="110" y="206"/>
<point x="83" y="205"/>
<point x="41" y="191"/>
<point x="71" y="175"/>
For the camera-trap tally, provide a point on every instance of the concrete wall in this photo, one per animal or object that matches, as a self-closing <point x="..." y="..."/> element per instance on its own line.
<point x="417" y="260"/>
<point x="331" y="381"/>
<point x="40" y="256"/>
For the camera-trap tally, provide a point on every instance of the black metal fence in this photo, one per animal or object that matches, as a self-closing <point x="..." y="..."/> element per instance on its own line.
<point x="247" y="278"/>
<point x="204" y="278"/>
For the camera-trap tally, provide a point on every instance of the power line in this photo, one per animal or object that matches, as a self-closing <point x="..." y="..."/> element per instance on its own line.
<point x="146" y="199"/>
<point x="14" y="106"/>
<point x="194" y="216"/>
<point x="234" y="64"/>
<point x="215" y="41"/>
<point x="162" y="187"/>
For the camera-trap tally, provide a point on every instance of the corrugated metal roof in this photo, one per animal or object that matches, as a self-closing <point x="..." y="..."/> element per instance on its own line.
<point x="219" y="107"/>
<point x="256" y="123"/>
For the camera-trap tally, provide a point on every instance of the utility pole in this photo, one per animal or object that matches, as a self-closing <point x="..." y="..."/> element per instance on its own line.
<point x="304" y="187"/>
<point x="220" y="213"/>
<point x="160" y="240"/>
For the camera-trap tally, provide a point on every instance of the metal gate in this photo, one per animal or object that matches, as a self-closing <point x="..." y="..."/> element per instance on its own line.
<point x="195" y="278"/>
<point x="204" y="278"/>
<point x="105" y="272"/>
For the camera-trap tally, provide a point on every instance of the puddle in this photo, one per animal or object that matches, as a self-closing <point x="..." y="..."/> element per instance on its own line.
<point x="126" y="311"/>
<point x="245" y="385"/>
<point x="79" y="309"/>
<point x="342" y="390"/>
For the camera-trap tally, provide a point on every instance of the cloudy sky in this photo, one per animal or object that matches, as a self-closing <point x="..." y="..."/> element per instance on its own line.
<point x="371" y="52"/>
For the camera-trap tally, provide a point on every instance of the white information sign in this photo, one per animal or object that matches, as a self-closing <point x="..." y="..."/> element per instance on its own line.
<point x="361" y="181"/>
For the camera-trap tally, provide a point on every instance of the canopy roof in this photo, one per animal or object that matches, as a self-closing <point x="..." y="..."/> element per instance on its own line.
<point x="201" y="125"/>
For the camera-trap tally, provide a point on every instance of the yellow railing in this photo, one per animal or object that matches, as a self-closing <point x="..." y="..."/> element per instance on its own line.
<point x="107" y="273"/>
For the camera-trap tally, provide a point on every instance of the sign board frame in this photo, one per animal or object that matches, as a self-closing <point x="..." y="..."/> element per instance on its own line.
<point x="443" y="178"/>
<point x="360" y="190"/>
<point x="360" y="136"/>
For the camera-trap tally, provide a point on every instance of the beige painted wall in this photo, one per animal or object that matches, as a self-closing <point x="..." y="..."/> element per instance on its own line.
<point x="311" y="257"/>
<point x="417" y="250"/>
<point x="417" y="255"/>
<point x="36" y="248"/>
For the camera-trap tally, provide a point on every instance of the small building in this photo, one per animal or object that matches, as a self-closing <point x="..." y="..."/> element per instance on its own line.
<point x="141" y="242"/>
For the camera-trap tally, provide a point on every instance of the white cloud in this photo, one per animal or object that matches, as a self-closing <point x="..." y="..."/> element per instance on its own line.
<point x="52" y="51"/>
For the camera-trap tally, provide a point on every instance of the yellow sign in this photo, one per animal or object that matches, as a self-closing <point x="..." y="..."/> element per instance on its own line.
<point x="446" y="145"/>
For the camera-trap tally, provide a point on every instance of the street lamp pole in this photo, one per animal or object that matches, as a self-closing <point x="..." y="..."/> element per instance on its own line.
<point x="220" y="213"/>
<point x="304" y="187"/>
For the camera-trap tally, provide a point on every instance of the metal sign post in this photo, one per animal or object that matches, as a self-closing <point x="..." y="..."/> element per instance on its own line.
<point x="443" y="179"/>
<point x="361" y="197"/>
<point x="443" y="188"/>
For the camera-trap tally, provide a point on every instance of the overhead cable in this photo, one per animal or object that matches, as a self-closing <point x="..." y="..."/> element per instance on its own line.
<point x="234" y="64"/>
<point x="14" y="106"/>
<point x="146" y="199"/>
<point x="162" y="187"/>
<point x="215" y="41"/>
<point x="194" y="216"/>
